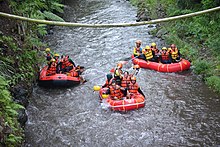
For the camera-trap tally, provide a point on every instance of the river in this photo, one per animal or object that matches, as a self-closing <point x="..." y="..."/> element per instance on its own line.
<point x="180" y="109"/>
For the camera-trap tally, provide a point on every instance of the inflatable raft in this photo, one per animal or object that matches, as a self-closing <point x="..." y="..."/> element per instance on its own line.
<point x="135" y="102"/>
<point x="173" y="67"/>
<point x="57" y="80"/>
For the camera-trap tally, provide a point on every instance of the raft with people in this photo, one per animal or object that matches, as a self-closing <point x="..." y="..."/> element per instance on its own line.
<point x="58" y="79"/>
<point x="135" y="101"/>
<point x="174" y="67"/>
<point x="60" y="72"/>
<point x="164" y="60"/>
<point x="121" y="91"/>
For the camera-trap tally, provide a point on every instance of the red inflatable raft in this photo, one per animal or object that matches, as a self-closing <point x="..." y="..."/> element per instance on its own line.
<point x="57" y="79"/>
<point x="136" y="101"/>
<point x="174" y="67"/>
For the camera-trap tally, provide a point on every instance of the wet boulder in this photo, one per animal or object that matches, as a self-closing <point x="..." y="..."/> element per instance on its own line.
<point x="20" y="95"/>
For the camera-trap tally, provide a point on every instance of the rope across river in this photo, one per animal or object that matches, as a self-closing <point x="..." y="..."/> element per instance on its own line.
<point x="70" y="24"/>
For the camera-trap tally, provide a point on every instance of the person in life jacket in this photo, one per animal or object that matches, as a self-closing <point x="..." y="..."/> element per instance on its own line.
<point x="134" y="87"/>
<point x="156" y="52"/>
<point x="126" y="79"/>
<point x="175" y="54"/>
<point x="56" y="57"/>
<point x="149" y="56"/>
<point x="116" y="91"/>
<point x="138" y="50"/>
<point x="52" y="68"/>
<point x="136" y="70"/>
<point x="67" y="64"/>
<point x="165" y="56"/>
<point x="107" y="82"/>
<point x="118" y="73"/>
<point x="48" y="55"/>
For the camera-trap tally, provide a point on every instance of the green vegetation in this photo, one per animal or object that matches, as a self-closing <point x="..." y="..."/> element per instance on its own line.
<point x="197" y="37"/>
<point x="19" y="60"/>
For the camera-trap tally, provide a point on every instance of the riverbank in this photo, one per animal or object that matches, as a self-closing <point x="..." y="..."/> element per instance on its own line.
<point x="21" y="54"/>
<point x="195" y="37"/>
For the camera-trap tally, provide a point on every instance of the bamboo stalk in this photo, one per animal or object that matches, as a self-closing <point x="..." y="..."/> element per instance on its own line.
<point x="70" y="24"/>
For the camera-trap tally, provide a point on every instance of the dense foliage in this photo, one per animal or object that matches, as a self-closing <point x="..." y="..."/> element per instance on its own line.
<point x="196" y="37"/>
<point x="19" y="60"/>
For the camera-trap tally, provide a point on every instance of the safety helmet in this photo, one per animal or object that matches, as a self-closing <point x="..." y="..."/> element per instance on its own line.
<point x="47" y="50"/>
<point x="147" y="47"/>
<point x="136" y="66"/>
<point x="53" y="60"/>
<point x="119" y="65"/>
<point x="56" y="55"/>
<point x="133" y="78"/>
<point x="138" y="42"/>
<point x="153" y="44"/>
<point x="172" y="45"/>
<point x="164" y="48"/>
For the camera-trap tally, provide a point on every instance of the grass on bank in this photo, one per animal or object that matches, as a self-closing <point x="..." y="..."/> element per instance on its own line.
<point x="197" y="37"/>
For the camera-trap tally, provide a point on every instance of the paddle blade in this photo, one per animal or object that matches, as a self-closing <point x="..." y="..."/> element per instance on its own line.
<point x="96" y="88"/>
<point x="112" y="70"/>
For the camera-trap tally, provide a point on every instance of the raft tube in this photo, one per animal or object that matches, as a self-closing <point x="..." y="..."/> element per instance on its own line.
<point x="173" y="67"/>
<point x="137" y="101"/>
<point x="57" y="80"/>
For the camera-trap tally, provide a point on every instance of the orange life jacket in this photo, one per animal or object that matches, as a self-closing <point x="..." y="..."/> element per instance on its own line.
<point x="51" y="70"/>
<point x="115" y="92"/>
<point x="133" y="88"/>
<point x="155" y="50"/>
<point x="66" y="64"/>
<point x="165" y="56"/>
<point x="125" y="82"/>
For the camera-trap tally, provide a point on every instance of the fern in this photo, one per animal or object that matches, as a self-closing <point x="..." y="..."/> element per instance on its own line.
<point x="52" y="16"/>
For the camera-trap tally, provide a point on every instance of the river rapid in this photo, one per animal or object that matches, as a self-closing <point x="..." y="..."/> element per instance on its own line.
<point x="180" y="110"/>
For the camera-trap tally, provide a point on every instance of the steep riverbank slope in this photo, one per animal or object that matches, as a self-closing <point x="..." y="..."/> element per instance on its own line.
<point x="20" y="45"/>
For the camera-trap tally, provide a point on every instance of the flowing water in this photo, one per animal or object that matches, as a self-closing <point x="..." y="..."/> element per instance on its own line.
<point x="180" y="110"/>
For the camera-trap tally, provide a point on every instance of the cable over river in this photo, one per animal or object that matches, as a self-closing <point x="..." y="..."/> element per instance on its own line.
<point x="180" y="110"/>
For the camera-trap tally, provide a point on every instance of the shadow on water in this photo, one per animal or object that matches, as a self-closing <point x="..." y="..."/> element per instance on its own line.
<point x="180" y="110"/>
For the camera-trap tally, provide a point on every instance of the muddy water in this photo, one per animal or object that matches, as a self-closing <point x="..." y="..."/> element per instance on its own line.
<point x="180" y="110"/>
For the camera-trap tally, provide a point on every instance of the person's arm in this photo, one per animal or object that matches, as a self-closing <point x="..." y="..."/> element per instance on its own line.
<point x="71" y="61"/>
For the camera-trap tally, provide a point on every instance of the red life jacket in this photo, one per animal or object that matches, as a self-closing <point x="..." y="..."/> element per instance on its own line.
<point x="125" y="82"/>
<point x="133" y="88"/>
<point x="115" y="92"/>
<point x="67" y="63"/>
<point x="165" y="56"/>
<point x="51" y="70"/>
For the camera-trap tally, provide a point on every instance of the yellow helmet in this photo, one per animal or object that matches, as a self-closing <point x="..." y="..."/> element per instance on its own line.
<point x="47" y="50"/>
<point x="153" y="44"/>
<point x="147" y="47"/>
<point x="164" y="48"/>
<point x="52" y="60"/>
<point x="56" y="55"/>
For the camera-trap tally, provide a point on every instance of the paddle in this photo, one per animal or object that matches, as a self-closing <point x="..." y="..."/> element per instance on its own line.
<point x="98" y="88"/>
